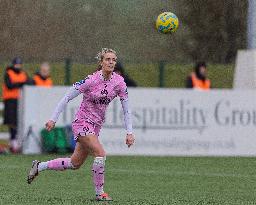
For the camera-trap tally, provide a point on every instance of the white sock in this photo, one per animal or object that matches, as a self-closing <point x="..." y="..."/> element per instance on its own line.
<point x="42" y="166"/>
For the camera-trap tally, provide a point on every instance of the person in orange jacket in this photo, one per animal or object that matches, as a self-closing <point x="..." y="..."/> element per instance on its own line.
<point x="14" y="79"/>
<point x="198" y="79"/>
<point x="42" y="77"/>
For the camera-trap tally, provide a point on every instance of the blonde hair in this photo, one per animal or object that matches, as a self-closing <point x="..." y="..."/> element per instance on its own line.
<point x="100" y="55"/>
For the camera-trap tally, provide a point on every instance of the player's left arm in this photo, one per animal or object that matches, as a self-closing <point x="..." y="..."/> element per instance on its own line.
<point x="128" y="122"/>
<point x="123" y="94"/>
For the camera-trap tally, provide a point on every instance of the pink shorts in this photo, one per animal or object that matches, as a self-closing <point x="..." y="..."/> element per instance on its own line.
<point x="83" y="127"/>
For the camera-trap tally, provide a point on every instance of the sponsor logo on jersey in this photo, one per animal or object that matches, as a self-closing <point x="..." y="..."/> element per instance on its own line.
<point x="102" y="100"/>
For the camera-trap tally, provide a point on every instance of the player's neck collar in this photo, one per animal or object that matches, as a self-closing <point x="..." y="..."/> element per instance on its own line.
<point x="104" y="79"/>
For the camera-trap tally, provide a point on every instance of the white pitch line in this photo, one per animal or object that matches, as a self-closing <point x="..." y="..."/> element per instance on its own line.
<point x="185" y="173"/>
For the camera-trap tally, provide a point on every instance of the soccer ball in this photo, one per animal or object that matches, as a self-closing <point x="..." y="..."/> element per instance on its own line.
<point x="167" y="22"/>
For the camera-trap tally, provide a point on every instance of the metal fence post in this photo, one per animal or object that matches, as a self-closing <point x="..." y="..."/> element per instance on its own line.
<point x="161" y="66"/>
<point x="67" y="71"/>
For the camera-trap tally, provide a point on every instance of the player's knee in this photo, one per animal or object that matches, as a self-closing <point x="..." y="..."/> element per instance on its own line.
<point x="100" y="153"/>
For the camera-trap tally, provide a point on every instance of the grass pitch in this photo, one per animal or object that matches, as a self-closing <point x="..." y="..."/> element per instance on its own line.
<point x="134" y="180"/>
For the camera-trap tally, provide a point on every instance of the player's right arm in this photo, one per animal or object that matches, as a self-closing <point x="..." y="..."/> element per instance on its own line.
<point x="71" y="94"/>
<point x="77" y="89"/>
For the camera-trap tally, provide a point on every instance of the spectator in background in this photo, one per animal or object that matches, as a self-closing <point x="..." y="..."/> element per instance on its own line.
<point x="42" y="77"/>
<point x="119" y="69"/>
<point x="198" y="78"/>
<point x="14" y="79"/>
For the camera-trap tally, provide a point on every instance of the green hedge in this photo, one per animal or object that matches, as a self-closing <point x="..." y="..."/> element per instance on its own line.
<point x="146" y="75"/>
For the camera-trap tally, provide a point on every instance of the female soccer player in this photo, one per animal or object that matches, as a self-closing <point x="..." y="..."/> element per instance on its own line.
<point x="98" y="90"/>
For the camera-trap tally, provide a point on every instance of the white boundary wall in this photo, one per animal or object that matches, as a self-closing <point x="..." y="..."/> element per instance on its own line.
<point x="245" y="70"/>
<point x="166" y="122"/>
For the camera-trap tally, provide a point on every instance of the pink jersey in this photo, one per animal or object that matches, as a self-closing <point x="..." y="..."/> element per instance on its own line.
<point x="97" y="94"/>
